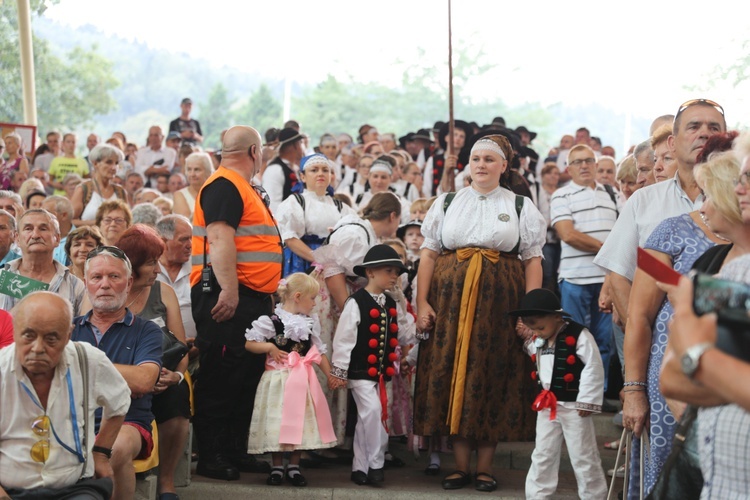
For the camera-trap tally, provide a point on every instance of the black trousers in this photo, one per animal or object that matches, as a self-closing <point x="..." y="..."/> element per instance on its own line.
<point x="85" y="489"/>
<point x="224" y="392"/>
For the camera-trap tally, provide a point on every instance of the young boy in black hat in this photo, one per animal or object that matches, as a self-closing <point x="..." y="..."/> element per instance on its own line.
<point x="570" y="373"/>
<point x="364" y="358"/>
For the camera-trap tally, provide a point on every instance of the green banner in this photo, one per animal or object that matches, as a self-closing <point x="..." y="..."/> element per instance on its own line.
<point x="18" y="286"/>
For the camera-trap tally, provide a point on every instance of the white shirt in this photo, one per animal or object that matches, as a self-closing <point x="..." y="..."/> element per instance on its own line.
<point x="181" y="286"/>
<point x="107" y="389"/>
<point x="347" y="247"/>
<point x="593" y="213"/>
<point x="345" y="338"/>
<point x="591" y="386"/>
<point x="318" y="218"/>
<point x="273" y="182"/>
<point x="410" y="195"/>
<point x="486" y="221"/>
<point x="639" y="217"/>
<point x="146" y="157"/>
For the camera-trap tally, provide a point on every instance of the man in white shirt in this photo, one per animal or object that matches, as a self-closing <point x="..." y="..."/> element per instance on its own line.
<point x="43" y="161"/>
<point x="695" y="122"/>
<point x="41" y="407"/>
<point x="583" y="213"/>
<point x="155" y="158"/>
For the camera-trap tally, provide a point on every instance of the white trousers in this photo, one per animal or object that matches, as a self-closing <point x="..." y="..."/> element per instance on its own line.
<point x="370" y="438"/>
<point x="580" y="438"/>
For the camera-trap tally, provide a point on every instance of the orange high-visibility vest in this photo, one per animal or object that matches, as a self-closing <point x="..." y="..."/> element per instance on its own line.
<point x="258" y="242"/>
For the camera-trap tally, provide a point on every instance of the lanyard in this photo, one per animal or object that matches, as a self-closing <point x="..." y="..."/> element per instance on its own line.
<point x="79" y="450"/>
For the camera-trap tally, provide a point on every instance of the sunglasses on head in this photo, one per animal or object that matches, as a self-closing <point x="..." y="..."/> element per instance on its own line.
<point x="107" y="250"/>
<point x="692" y="102"/>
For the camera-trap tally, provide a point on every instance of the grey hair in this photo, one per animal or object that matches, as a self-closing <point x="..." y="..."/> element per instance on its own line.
<point x="642" y="148"/>
<point x="72" y="176"/>
<point x="11" y="219"/>
<point x="62" y="204"/>
<point x="105" y="151"/>
<point x="108" y="253"/>
<point x="48" y="214"/>
<point x="205" y="158"/>
<point x="146" y="213"/>
<point x="168" y="224"/>
<point x="6" y="193"/>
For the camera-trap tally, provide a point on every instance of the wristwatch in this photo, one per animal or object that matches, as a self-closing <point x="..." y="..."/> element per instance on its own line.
<point x="107" y="452"/>
<point x="692" y="358"/>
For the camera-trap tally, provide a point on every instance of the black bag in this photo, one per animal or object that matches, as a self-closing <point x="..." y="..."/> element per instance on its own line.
<point x="172" y="350"/>
<point x="681" y="476"/>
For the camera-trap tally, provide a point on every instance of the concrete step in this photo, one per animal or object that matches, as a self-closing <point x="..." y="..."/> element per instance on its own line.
<point x="512" y="462"/>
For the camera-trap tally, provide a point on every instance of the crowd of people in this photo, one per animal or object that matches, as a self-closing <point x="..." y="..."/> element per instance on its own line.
<point x="455" y="287"/>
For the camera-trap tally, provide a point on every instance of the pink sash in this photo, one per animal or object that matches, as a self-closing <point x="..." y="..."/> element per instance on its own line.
<point x="301" y="378"/>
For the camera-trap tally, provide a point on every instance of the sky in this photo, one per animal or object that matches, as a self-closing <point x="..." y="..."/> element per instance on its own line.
<point x="642" y="57"/>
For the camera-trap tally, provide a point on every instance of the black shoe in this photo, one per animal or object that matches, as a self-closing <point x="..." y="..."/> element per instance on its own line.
<point x="248" y="463"/>
<point x="217" y="468"/>
<point x="359" y="477"/>
<point x="485" y="484"/>
<point x="456" y="483"/>
<point x="376" y="475"/>
<point x="275" y="478"/>
<point x="394" y="462"/>
<point x="296" y="480"/>
<point x="432" y="470"/>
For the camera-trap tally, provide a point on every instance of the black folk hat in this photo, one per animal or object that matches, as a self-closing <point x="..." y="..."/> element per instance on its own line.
<point x="379" y="256"/>
<point x="522" y="129"/>
<point x="401" y="231"/>
<point x="538" y="303"/>
<point x="288" y="135"/>
<point x="423" y="134"/>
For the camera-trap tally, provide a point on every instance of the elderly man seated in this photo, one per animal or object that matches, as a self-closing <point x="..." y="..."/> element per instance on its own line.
<point x="38" y="236"/>
<point x="43" y="453"/>
<point x="133" y="345"/>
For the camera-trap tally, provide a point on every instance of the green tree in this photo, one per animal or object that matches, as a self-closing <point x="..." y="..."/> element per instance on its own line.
<point x="71" y="91"/>
<point x="215" y="115"/>
<point x="261" y="111"/>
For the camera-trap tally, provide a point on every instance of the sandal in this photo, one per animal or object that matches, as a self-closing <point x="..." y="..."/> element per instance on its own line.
<point x="484" y="484"/>
<point x="612" y="445"/>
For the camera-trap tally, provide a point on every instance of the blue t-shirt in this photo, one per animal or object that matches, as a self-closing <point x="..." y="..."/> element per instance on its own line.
<point x="131" y="341"/>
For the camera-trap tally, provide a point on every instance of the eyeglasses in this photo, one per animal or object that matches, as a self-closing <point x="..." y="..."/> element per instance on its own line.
<point x="107" y="250"/>
<point x="743" y="179"/>
<point x="115" y="220"/>
<point x="587" y="161"/>
<point x="692" y="102"/>
<point x="40" y="450"/>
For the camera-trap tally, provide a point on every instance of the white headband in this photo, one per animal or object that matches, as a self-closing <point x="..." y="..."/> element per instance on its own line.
<point x="381" y="166"/>
<point x="488" y="144"/>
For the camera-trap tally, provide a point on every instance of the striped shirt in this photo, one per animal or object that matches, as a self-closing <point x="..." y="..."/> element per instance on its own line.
<point x="593" y="213"/>
<point x="642" y="213"/>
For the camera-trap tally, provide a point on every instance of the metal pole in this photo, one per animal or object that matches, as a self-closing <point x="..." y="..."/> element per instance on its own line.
<point x="450" y="83"/>
<point x="27" y="62"/>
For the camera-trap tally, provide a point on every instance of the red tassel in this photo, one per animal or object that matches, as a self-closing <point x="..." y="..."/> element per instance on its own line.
<point x="383" y="402"/>
<point x="546" y="399"/>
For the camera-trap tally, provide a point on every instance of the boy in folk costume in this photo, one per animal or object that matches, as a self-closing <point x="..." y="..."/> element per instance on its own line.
<point x="570" y="373"/>
<point x="364" y="358"/>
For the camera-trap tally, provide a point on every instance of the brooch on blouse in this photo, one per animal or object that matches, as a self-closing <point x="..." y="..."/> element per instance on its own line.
<point x="504" y="217"/>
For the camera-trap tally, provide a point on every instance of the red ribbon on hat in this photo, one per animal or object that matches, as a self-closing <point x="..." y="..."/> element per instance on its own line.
<point x="546" y="399"/>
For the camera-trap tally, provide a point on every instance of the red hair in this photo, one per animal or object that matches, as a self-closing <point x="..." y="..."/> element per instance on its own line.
<point x="140" y="243"/>
<point x="717" y="143"/>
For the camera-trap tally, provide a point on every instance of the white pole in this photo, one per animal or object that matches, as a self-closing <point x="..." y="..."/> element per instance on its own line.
<point x="27" y="62"/>
<point x="287" y="99"/>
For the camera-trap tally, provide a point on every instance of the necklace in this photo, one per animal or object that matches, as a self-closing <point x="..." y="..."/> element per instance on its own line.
<point x="136" y="298"/>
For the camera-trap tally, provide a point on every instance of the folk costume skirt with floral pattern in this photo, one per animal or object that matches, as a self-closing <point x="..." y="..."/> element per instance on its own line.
<point x="499" y="390"/>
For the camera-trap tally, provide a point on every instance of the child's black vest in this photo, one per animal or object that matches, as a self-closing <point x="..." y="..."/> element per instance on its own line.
<point x="567" y="367"/>
<point x="377" y="338"/>
<point x="288" y="345"/>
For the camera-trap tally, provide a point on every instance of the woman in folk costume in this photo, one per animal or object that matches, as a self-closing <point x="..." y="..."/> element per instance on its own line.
<point x="482" y="253"/>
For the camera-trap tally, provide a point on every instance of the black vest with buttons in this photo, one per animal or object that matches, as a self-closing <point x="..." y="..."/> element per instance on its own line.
<point x="288" y="345"/>
<point x="377" y="338"/>
<point x="290" y="178"/>
<point x="566" y="364"/>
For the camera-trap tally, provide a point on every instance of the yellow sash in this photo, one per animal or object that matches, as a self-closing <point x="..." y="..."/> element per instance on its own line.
<point x="469" y="296"/>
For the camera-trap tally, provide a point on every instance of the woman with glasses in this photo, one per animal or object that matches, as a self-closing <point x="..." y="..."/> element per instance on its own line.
<point x="91" y="193"/>
<point x="78" y="244"/>
<point x="113" y="218"/>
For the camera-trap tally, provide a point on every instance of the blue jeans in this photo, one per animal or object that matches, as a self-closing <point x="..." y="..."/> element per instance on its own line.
<point x="582" y="303"/>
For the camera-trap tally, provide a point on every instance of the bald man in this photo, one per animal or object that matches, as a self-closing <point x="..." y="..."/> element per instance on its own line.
<point x="49" y="370"/>
<point x="236" y="266"/>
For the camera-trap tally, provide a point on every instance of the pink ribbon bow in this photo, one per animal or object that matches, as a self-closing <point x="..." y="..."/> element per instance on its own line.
<point x="546" y="399"/>
<point x="301" y="378"/>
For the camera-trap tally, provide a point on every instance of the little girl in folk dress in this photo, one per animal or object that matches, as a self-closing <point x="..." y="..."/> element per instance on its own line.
<point x="290" y="413"/>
